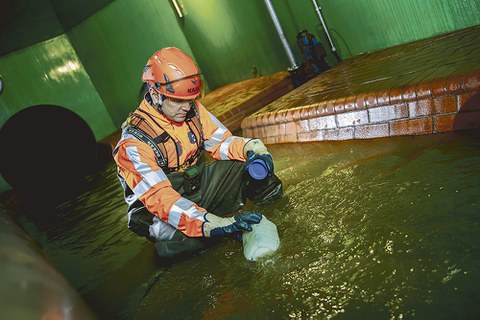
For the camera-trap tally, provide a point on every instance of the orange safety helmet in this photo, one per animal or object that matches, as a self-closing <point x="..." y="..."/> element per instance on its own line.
<point x="173" y="73"/>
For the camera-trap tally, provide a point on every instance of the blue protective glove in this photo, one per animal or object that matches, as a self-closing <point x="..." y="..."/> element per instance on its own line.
<point x="266" y="157"/>
<point x="232" y="226"/>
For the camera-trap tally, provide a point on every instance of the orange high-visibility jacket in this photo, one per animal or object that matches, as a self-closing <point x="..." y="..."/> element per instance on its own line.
<point x="138" y="168"/>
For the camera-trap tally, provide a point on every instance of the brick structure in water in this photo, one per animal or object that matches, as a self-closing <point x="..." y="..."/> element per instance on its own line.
<point x="423" y="87"/>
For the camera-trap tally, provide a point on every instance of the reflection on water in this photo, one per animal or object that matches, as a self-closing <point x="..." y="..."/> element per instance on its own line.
<point x="375" y="229"/>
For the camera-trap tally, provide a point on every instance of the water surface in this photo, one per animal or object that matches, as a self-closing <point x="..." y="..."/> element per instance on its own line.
<point x="376" y="229"/>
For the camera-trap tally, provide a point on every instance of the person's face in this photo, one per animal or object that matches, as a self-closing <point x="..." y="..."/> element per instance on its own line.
<point x="175" y="109"/>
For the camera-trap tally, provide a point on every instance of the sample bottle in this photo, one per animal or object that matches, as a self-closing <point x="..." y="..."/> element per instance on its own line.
<point x="258" y="169"/>
<point x="261" y="241"/>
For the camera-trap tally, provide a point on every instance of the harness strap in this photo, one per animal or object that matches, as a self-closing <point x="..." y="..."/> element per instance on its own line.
<point x="137" y="133"/>
<point x="193" y="107"/>
<point x="164" y="136"/>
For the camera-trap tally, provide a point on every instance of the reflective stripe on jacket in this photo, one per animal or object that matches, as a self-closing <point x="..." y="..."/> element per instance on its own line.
<point x="139" y="170"/>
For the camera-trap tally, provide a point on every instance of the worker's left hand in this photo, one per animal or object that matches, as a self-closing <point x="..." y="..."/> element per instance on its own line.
<point x="255" y="149"/>
<point x="216" y="226"/>
<point x="266" y="157"/>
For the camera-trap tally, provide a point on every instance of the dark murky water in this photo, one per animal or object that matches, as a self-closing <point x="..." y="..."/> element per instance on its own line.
<point x="376" y="229"/>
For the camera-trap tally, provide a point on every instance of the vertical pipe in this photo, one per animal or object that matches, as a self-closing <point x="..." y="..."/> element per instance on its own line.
<point x="334" y="50"/>
<point x="281" y="34"/>
<point x="177" y="8"/>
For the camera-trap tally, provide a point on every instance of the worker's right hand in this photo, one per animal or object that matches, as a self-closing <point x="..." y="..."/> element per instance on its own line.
<point x="216" y="226"/>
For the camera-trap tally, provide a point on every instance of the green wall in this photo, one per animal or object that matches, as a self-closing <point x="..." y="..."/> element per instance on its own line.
<point x="51" y="73"/>
<point x="115" y="44"/>
<point x="367" y="25"/>
<point x="26" y="22"/>
<point x="229" y="37"/>
<point x="16" y="33"/>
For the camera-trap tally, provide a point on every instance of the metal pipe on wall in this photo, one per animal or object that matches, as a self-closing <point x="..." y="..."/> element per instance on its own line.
<point x="334" y="50"/>
<point x="278" y="26"/>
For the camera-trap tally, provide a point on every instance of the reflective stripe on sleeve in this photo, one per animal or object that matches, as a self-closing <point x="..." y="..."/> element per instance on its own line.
<point x="160" y="230"/>
<point x="130" y="199"/>
<point x="149" y="177"/>
<point x="217" y="135"/>
<point x="186" y="206"/>
<point x="224" y="148"/>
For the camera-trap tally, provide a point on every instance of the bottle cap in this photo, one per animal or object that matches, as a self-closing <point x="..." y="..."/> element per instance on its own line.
<point x="258" y="169"/>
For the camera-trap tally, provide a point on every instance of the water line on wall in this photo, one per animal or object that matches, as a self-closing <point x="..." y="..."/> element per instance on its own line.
<point x="279" y="28"/>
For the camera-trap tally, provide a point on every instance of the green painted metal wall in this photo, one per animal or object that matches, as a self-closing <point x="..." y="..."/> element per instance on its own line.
<point x="16" y="34"/>
<point x="297" y="15"/>
<point x="115" y="44"/>
<point x="26" y="22"/>
<point x="230" y="37"/>
<point x="51" y="73"/>
<point x="367" y="25"/>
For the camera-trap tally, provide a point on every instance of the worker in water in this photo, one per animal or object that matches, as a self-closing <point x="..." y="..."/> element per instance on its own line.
<point x="176" y="199"/>
<point x="313" y="53"/>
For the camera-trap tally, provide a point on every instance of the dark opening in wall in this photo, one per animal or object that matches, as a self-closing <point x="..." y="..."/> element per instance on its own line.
<point x="47" y="150"/>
